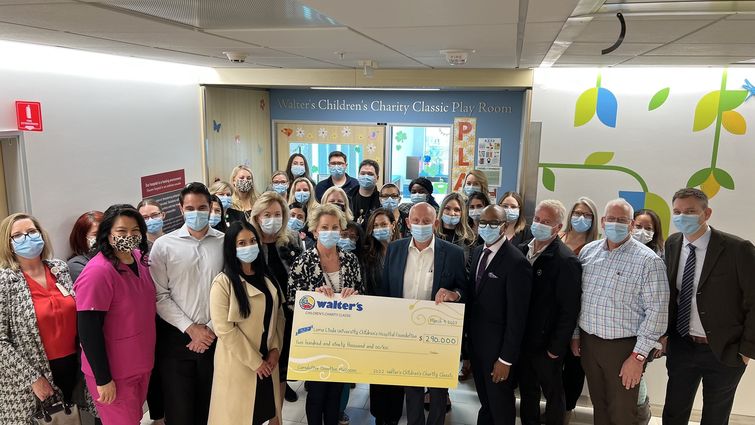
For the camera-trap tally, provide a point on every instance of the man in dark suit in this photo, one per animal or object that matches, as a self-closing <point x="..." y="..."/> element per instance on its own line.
<point x="424" y="267"/>
<point x="554" y="307"/>
<point x="497" y="299"/>
<point x="711" y="332"/>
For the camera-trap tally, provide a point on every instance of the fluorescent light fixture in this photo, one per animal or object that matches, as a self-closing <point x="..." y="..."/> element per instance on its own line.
<point x="377" y="88"/>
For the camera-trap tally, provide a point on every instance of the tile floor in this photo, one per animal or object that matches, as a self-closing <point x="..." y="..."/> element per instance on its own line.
<point x="464" y="411"/>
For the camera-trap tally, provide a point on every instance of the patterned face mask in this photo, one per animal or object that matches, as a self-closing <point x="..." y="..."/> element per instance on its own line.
<point x="243" y="185"/>
<point x="126" y="243"/>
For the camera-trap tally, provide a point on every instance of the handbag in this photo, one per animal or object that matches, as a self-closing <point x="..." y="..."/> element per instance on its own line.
<point x="56" y="413"/>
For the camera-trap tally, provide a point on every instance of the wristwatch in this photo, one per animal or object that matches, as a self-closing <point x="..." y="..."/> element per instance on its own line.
<point x="639" y="357"/>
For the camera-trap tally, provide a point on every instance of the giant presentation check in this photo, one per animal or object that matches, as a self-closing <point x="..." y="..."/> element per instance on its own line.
<point x="375" y="340"/>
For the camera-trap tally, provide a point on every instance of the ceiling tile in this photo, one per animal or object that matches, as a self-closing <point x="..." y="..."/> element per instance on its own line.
<point x="550" y="11"/>
<point x="725" y="49"/>
<point x="594" y="49"/>
<point x="640" y="30"/>
<point x="488" y="40"/>
<point x="606" y="60"/>
<point x="684" y="60"/>
<point x="727" y="31"/>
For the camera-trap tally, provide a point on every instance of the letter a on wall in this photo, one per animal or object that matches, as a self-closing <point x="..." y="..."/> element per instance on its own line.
<point x="465" y="134"/>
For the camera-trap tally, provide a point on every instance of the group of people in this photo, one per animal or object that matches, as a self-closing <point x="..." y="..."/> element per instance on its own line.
<point x="197" y="321"/>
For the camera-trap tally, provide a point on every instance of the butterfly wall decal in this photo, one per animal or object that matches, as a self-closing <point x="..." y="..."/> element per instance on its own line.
<point x="750" y="88"/>
<point x="287" y="131"/>
<point x="216" y="126"/>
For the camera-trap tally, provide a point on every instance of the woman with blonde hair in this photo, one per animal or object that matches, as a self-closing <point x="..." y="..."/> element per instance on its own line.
<point x="303" y="192"/>
<point x="38" y="347"/>
<point x="454" y="223"/>
<point x="475" y="181"/>
<point x="224" y="191"/>
<point x="519" y="232"/>
<point x="279" y="183"/>
<point x="336" y="196"/>
<point x="279" y="246"/>
<point x="245" y="194"/>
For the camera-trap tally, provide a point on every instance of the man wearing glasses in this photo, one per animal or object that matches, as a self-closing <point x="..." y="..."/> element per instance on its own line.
<point x="624" y="312"/>
<point x="337" y="167"/>
<point x="498" y="299"/>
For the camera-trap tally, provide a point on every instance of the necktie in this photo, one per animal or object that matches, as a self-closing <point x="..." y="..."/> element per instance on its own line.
<point x="482" y="267"/>
<point x="685" y="295"/>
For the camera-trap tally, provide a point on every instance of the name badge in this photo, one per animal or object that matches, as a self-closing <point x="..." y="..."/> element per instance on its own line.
<point x="63" y="290"/>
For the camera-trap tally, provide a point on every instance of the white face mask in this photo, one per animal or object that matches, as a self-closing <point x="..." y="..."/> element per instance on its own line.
<point x="643" y="236"/>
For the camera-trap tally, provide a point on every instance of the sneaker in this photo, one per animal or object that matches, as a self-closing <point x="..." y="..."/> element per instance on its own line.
<point x="290" y="395"/>
<point x="343" y="419"/>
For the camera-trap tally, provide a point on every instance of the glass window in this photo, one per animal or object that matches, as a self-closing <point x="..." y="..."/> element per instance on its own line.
<point x="419" y="151"/>
<point x="317" y="157"/>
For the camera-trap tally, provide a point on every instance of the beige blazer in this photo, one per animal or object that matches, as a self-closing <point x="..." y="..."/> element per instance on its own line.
<point x="237" y="355"/>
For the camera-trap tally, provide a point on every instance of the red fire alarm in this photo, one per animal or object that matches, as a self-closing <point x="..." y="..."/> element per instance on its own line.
<point x="29" y="115"/>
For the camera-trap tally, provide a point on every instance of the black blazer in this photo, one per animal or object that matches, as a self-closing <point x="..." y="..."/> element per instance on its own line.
<point x="496" y="313"/>
<point x="555" y="303"/>
<point x="448" y="269"/>
<point x="525" y="236"/>
<point x="725" y="294"/>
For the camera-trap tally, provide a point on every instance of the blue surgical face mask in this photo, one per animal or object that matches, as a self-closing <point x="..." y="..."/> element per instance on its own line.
<point x="280" y="188"/>
<point x="541" y="232"/>
<point x="154" y="225"/>
<point x="297" y="170"/>
<point x="248" y="254"/>
<point x="30" y="248"/>
<point x="475" y="214"/>
<point x="382" y="233"/>
<point x="271" y="225"/>
<point x="329" y="238"/>
<point x="295" y="224"/>
<point x="688" y="224"/>
<point x="489" y="233"/>
<point x="197" y="220"/>
<point x="337" y="171"/>
<point x="581" y="223"/>
<point x="418" y="197"/>
<point x="301" y="197"/>
<point x="422" y="232"/>
<point x="469" y="189"/>
<point x="512" y="214"/>
<point x="616" y="232"/>
<point x="347" y="244"/>
<point x="226" y="201"/>
<point x="366" y="181"/>
<point x="389" y="203"/>
<point x="214" y="220"/>
<point x="451" y="220"/>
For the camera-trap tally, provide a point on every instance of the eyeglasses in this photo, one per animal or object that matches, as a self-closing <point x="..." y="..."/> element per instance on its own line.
<point x="586" y="215"/>
<point x="21" y="237"/>
<point x="491" y="224"/>
<point x="622" y="220"/>
<point x="390" y="196"/>
<point x="153" y="216"/>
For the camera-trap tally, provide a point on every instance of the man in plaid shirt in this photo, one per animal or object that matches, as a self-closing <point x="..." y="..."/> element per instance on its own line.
<point x="625" y="298"/>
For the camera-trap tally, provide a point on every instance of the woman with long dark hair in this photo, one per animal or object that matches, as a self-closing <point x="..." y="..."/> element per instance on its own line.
<point x="83" y="242"/>
<point x="246" y="307"/>
<point x="115" y="300"/>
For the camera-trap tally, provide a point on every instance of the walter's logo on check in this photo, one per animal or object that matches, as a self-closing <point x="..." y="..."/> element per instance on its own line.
<point x="307" y="302"/>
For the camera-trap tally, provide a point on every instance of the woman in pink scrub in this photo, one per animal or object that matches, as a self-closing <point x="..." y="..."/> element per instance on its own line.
<point x="115" y="300"/>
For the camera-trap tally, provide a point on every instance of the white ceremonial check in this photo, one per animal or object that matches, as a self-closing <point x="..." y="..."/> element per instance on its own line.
<point x="375" y="340"/>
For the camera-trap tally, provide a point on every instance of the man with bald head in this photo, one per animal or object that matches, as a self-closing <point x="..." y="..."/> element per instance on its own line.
<point x="497" y="301"/>
<point x="423" y="267"/>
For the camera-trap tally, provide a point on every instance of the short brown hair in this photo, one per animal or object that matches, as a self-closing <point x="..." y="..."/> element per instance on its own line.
<point x="691" y="192"/>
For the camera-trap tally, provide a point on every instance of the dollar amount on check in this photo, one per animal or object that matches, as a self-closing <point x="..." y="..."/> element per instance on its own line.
<point x="375" y="340"/>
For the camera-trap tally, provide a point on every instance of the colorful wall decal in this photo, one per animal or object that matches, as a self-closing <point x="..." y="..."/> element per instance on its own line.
<point x="596" y="100"/>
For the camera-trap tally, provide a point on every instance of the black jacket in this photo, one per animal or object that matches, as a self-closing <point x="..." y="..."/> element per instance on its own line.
<point x="496" y="312"/>
<point x="725" y="295"/>
<point x="555" y="302"/>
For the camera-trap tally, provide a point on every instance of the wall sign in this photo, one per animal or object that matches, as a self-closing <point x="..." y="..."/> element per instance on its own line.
<point x="165" y="188"/>
<point x="464" y="134"/>
<point x="29" y="115"/>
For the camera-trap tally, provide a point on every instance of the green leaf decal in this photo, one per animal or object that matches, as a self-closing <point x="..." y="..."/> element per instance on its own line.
<point x="731" y="99"/>
<point x="723" y="178"/>
<point x="698" y="178"/>
<point x="659" y="205"/>
<point x="659" y="99"/>
<point x="706" y="111"/>
<point x="599" y="158"/>
<point x="585" y="108"/>
<point x="549" y="179"/>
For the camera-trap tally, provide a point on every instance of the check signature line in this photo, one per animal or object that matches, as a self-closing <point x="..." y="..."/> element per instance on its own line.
<point x="364" y="336"/>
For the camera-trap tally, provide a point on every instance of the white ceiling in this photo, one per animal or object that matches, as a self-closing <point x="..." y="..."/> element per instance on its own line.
<point x="395" y="33"/>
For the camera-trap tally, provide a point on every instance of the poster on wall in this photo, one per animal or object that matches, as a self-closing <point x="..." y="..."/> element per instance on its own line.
<point x="488" y="152"/>
<point x="494" y="175"/>
<point x="165" y="189"/>
<point x="464" y="136"/>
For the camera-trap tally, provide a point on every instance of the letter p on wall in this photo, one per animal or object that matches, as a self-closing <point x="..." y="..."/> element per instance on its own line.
<point x="465" y="127"/>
